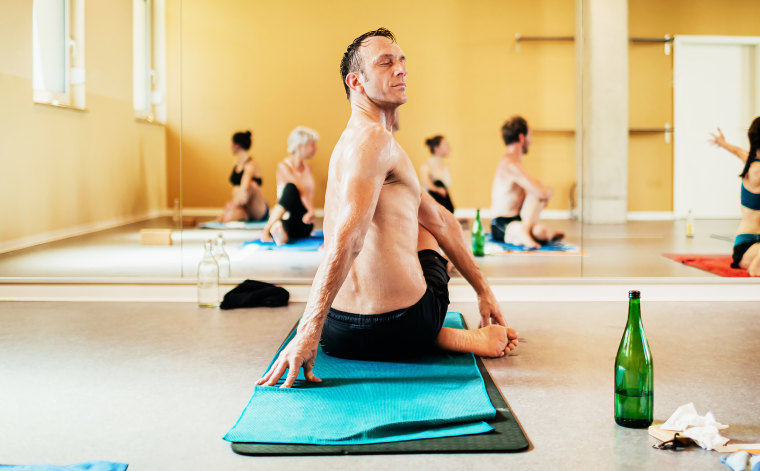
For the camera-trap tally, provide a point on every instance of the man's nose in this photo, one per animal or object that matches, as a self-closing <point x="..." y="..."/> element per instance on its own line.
<point x="400" y="69"/>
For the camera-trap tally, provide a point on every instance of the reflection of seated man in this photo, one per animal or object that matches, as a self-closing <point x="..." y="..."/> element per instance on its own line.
<point x="381" y="290"/>
<point x="747" y="242"/>
<point x="248" y="203"/>
<point x="293" y="216"/>
<point x="517" y="198"/>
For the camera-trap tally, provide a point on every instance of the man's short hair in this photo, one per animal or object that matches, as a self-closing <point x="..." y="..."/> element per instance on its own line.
<point x="351" y="61"/>
<point x="512" y="129"/>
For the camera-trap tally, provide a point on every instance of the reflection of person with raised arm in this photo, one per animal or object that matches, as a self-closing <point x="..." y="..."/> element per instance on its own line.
<point x="381" y="291"/>
<point x="747" y="242"/>
<point x="293" y="216"/>
<point x="248" y="203"/>
<point x="435" y="174"/>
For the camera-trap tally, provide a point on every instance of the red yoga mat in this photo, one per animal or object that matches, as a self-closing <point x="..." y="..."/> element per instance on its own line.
<point x="718" y="264"/>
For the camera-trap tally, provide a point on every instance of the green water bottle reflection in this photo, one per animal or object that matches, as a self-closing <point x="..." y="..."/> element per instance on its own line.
<point x="633" y="371"/>
<point x="478" y="237"/>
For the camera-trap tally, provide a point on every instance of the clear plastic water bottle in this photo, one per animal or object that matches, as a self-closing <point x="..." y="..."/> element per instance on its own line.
<point x="208" y="278"/>
<point x="690" y="225"/>
<point x="222" y="259"/>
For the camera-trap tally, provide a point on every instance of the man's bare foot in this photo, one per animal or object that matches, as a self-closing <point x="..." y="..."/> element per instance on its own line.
<point x="278" y="234"/>
<point x="523" y="239"/>
<point x="489" y="341"/>
<point x="543" y="235"/>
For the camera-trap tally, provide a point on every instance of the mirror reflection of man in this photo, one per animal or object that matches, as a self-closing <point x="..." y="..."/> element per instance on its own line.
<point x="381" y="290"/>
<point x="517" y="198"/>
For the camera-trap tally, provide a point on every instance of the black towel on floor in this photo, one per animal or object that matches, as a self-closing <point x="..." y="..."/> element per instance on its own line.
<point x="252" y="293"/>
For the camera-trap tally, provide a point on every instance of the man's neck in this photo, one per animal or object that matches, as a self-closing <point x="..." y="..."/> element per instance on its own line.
<point x="514" y="151"/>
<point x="364" y="109"/>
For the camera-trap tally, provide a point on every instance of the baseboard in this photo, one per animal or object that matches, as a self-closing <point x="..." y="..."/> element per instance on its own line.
<point x="650" y="215"/>
<point x="505" y="290"/>
<point x="469" y="213"/>
<point x="52" y="236"/>
<point x="195" y="212"/>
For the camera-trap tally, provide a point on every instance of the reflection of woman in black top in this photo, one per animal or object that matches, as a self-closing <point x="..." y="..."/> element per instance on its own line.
<point x="248" y="203"/>
<point x="435" y="175"/>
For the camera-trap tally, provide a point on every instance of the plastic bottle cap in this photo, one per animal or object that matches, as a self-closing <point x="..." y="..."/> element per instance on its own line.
<point x="634" y="294"/>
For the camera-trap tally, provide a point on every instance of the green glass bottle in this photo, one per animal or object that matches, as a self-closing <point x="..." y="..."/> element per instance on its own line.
<point x="478" y="237"/>
<point x="634" y="374"/>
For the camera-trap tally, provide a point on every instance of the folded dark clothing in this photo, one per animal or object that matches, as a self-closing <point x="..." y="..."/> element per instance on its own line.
<point x="252" y="293"/>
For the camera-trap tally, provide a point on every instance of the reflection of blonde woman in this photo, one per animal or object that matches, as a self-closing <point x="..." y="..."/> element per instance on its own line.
<point x="747" y="242"/>
<point x="248" y="203"/>
<point x="435" y="174"/>
<point x="293" y="216"/>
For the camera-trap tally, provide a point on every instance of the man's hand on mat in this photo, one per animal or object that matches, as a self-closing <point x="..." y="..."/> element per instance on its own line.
<point x="300" y="352"/>
<point x="490" y="313"/>
<point x="266" y="236"/>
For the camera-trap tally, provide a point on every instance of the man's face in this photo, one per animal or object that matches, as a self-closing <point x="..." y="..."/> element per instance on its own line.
<point x="384" y="71"/>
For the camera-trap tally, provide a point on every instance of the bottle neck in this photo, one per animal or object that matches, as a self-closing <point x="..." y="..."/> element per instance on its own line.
<point x="634" y="310"/>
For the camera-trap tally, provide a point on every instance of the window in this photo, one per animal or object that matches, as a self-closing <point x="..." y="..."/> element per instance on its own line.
<point x="149" y="59"/>
<point x="58" y="52"/>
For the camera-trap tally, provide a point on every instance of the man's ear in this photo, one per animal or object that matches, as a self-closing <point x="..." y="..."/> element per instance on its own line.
<point x="521" y="137"/>
<point x="353" y="82"/>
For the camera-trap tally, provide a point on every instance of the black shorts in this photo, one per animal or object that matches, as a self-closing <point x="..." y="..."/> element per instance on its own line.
<point x="294" y="227"/>
<point x="396" y="334"/>
<point x="499" y="227"/>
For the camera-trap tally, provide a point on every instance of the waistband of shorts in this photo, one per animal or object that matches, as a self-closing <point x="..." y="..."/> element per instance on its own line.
<point x="370" y="319"/>
<point x="746" y="238"/>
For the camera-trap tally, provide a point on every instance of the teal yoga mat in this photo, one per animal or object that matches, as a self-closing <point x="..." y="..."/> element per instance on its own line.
<point x="442" y="395"/>
<point x="308" y="244"/>
<point x="493" y="247"/>
<point x="87" y="466"/>
<point x="233" y="225"/>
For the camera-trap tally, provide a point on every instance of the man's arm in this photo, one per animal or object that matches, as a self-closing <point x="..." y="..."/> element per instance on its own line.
<point x="361" y="179"/>
<point x="532" y="186"/>
<point x="720" y="141"/>
<point x="448" y="233"/>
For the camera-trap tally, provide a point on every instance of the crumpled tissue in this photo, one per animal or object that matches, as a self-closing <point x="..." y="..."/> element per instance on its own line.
<point x="703" y="429"/>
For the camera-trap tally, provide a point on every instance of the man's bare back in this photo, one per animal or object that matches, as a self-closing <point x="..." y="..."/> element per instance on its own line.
<point x="386" y="274"/>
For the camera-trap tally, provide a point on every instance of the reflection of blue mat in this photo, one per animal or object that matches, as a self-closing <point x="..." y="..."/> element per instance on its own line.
<point x="309" y="244"/>
<point x="88" y="466"/>
<point x="502" y="247"/>
<point x="233" y="225"/>
<point x="360" y="402"/>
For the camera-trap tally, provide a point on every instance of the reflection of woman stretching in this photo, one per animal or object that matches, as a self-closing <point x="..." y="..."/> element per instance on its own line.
<point x="435" y="174"/>
<point x="293" y="216"/>
<point x="248" y="203"/>
<point x="747" y="242"/>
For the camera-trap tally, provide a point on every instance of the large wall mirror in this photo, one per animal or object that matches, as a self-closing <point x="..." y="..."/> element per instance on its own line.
<point x="117" y="134"/>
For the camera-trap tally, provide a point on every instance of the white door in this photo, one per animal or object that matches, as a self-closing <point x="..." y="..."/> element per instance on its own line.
<point x="715" y="84"/>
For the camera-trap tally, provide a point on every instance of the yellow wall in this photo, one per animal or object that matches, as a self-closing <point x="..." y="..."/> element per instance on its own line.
<point x="650" y="176"/>
<point x="270" y="66"/>
<point x="62" y="168"/>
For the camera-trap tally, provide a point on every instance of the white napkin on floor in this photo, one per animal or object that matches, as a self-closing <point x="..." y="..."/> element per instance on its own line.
<point x="703" y="429"/>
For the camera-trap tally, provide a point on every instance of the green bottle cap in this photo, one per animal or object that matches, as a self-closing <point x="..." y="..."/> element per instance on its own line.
<point x="634" y="294"/>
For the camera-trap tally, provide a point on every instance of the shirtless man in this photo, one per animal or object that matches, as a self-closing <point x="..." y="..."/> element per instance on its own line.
<point x="517" y="198"/>
<point x="383" y="237"/>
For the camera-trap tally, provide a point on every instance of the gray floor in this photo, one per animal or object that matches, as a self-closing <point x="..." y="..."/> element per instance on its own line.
<point x="621" y="250"/>
<point x="157" y="385"/>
